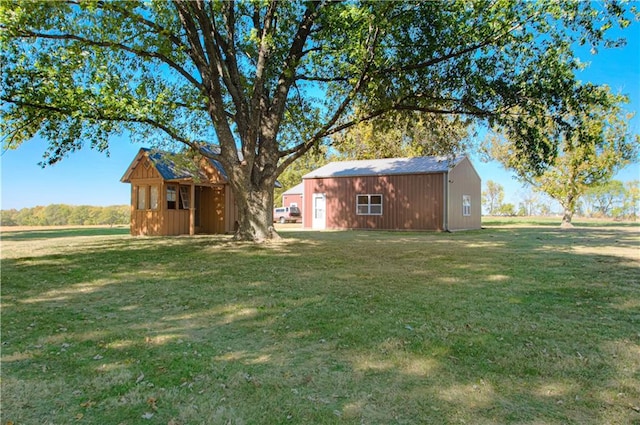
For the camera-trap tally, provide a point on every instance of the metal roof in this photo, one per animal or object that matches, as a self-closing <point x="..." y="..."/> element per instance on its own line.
<point x="295" y="190"/>
<point x="169" y="170"/>
<point x="387" y="166"/>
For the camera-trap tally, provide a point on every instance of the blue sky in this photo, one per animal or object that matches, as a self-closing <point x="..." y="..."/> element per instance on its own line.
<point x="88" y="177"/>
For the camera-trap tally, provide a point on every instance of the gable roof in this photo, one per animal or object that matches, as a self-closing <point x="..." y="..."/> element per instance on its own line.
<point x="167" y="168"/>
<point x="387" y="166"/>
<point x="295" y="190"/>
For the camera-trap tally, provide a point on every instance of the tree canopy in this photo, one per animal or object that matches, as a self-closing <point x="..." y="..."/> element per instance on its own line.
<point x="266" y="81"/>
<point x="590" y="152"/>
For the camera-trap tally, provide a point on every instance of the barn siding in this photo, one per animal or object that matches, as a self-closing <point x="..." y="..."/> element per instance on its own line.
<point x="147" y="221"/>
<point x="230" y="210"/>
<point x="464" y="180"/>
<point x="145" y="170"/>
<point x="410" y="202"/>
<point x="212" y="209"/>
<point x="287" y="200"/>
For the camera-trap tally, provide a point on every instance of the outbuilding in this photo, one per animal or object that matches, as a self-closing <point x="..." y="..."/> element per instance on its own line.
<point x="167" y="199"/>
<point x="422" y="193"/>
<point x="293" y="197"/>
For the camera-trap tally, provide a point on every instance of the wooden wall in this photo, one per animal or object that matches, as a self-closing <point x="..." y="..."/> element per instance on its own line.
<point x="410" y="202"/>
<point x="212" y="209"/>
<point x="217" y="210"/>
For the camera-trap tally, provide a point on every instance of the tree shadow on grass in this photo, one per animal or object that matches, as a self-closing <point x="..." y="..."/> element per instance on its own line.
<point x="343" y="327"/>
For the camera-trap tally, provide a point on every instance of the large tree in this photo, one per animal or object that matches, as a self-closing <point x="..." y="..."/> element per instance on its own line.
<point x="590" y="151"/>
<point x="266" y="81"/>
<point x="492" y="197"/>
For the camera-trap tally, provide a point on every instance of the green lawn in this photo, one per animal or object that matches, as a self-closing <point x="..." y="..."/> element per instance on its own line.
<point x="507" y="325"/>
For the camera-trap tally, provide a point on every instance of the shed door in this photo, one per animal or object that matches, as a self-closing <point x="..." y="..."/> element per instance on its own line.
<point x="319" y="211"/>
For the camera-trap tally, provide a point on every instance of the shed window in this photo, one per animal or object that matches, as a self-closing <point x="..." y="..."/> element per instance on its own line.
<point x="172" y="196"/>
<point x="369" y="204"/>
<point x="142" y="198"/>
<point x="184" y="197"/>
<point x="153" y="197"/>
<point x="466" y="205"/>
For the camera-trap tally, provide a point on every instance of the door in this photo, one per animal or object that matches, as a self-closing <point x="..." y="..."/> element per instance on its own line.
<point x="319" y="211"/>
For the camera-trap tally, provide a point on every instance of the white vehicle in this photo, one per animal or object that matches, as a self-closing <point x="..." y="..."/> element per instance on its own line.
<point x="286" y="215"/>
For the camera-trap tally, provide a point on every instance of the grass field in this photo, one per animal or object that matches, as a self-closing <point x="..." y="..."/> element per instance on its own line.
<point x="526" y="324"/>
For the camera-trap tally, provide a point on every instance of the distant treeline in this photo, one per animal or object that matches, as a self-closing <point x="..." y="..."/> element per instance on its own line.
<point x="61" y="214"/>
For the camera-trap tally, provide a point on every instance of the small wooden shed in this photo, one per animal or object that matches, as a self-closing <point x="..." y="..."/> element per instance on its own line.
<point x="424" y="193"/>
<point x="167" y="200"/>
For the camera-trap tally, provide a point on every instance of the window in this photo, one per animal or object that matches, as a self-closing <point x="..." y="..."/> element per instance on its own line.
<point x="172" y="196"/>
<point x="153" y="197"/>
<point x="184" y="197"/>
<point x="466" y="205"/>
<point x="142" y="198"/>
<point x="369" y="204"/>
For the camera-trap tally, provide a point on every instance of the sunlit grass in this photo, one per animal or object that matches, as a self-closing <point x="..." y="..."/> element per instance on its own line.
<point x="503" y="325"/>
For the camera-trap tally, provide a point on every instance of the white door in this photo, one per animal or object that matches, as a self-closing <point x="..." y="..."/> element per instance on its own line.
<point x="319" y="211"/>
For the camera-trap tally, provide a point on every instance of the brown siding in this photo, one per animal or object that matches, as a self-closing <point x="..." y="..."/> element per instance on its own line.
<point x="147" y="221"/>
<point x="144" y="170"/>
<point x="230" y="210"/>
<point x="217" y="209"/>
<point x="212" y="209"/>
<point x="410" y="202"/>
<point x="464" y="180"/>
<point x="176" y="222"/>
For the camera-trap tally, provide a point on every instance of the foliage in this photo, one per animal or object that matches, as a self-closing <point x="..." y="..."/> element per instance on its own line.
<point x="632" y="199"/>
<point x="529" y="202"/>
<point x="60" y="215"/>
<point x="406" y="134"/>
<point x="492" y="197"/>
<point x="590" y="152"/>
<point x="612" y="199"/>
<point x="507" y="209"/>
<point x="499" y="326"/>
<point x="292" y="176"/>
<point x="267" y="81"/>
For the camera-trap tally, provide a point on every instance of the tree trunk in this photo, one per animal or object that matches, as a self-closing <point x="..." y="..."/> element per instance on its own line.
<point x="255" y="213"/>
<point x="566" y="218"/>
<point x="569" y="206"/>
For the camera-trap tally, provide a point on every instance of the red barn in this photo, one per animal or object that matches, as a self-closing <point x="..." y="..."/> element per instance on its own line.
<point x="423" y="193"/>
<point x="293" y="197"/>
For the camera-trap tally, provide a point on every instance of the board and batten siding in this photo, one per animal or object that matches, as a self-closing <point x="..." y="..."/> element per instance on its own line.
<point x="464" y="180"/>
<point x="147" y="221"/>
<point x="410" y="202"/>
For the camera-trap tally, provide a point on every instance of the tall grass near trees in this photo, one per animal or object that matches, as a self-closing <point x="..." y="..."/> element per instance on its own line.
<point x="504" y="325"/>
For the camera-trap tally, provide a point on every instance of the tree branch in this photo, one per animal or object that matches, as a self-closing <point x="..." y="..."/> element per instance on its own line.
<point x="117" y="46"/>
<point x="453" y="54"/>
<point x="287" y="76"/>
<point x="101" y="117"/>
<point x="304" y="147"/>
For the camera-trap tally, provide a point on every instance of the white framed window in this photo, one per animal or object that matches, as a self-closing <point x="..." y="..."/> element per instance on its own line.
<point x="142" y="198"/>
<point x="466" y="205"/>
<point x="153" y="197"/>
<point x="369" y="204"/>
